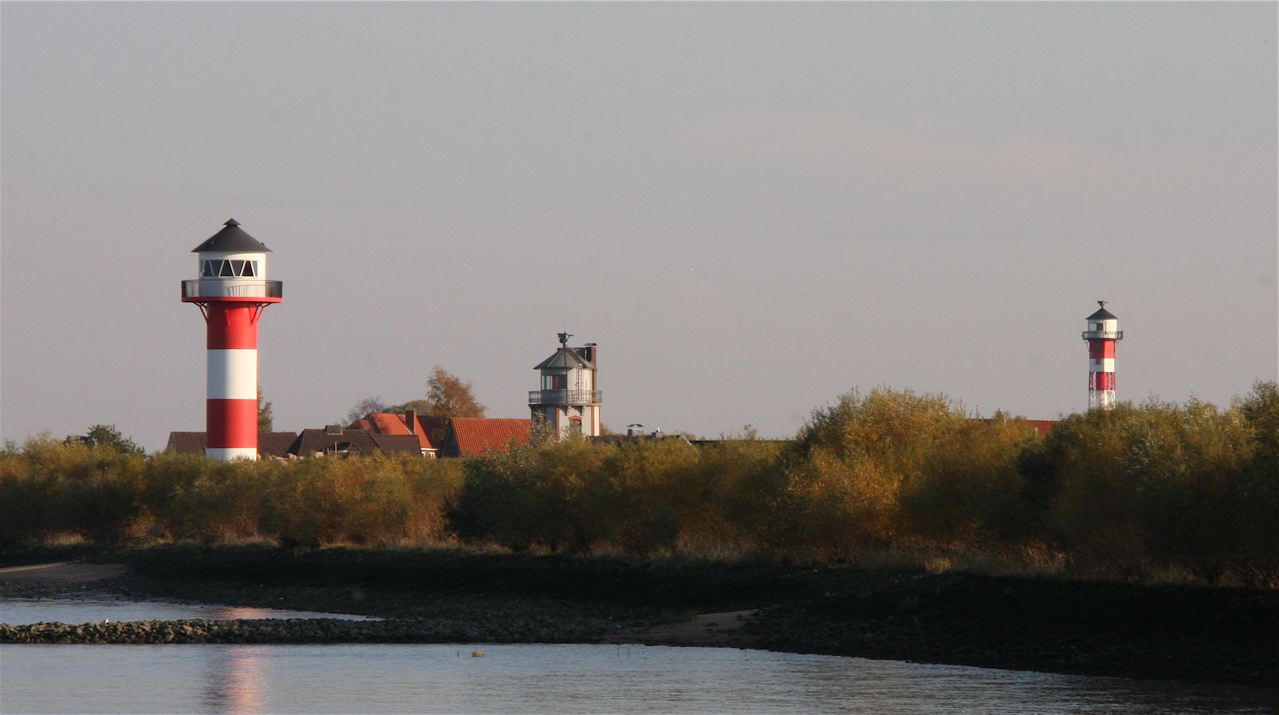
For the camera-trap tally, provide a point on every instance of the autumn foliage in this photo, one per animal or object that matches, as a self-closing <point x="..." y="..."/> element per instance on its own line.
<point x="1134" y="492"/>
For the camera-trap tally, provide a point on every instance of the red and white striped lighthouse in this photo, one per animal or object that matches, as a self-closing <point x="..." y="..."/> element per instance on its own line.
<point x="232" y="292"/>
<point x="1102" y="333"/>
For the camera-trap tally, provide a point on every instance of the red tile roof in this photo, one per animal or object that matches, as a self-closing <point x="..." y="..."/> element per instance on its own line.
<point x="1042" y="426"/>
<point x="473" y="436"/>
<point x="396" y="423"/>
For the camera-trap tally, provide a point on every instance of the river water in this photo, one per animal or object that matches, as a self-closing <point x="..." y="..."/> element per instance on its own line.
<point x="244" y="679"/>
<point x="21" y="611"/>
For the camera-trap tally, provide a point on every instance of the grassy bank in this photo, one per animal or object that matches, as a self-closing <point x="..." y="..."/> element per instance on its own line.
<point x="1097" y="628"/>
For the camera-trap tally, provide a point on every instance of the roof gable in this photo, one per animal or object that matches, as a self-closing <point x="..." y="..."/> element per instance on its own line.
<point x="321" y="440"/>
<point x="396" y="423"/>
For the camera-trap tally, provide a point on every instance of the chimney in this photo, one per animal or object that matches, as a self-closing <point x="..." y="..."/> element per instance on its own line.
<point x="591" y="350"/>
<point x="333" y="429"/>
<point x="410" y="420"/>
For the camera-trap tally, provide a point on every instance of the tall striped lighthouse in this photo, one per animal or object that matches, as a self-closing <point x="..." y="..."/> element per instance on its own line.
<point x="1102" y="333"/>
<point x="232" y="291"/>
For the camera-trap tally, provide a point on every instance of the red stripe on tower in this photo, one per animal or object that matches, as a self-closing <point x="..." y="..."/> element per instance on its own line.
<point x="232" y="291"/>
<point x="233" y="423"/>
<point x="233" y="326"/>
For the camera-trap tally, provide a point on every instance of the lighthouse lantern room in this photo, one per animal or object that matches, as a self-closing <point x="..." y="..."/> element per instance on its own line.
<point x="232" y="291"/>
<point x="1103" y="335"/>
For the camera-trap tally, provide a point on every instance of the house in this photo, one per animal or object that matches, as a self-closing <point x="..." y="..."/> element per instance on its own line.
<point x="443" y="437"/>
<point x="1043" y="427"/>
<point x="270" y="444"/>
<point x="474" y="436"/>
<point x="336" y="440"/>
<point x="309" y="443"/>
<point x="429" y="431"/>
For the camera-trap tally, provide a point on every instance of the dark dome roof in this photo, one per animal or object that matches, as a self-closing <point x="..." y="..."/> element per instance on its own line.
<point x="232" y="239"/>
<point x="1102" y="313"/>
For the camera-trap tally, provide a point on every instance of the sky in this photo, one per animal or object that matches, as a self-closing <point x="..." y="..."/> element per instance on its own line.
<point x="751" y="208"/>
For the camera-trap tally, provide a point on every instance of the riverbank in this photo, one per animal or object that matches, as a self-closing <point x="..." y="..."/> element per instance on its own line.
<point x="443" y="595"/>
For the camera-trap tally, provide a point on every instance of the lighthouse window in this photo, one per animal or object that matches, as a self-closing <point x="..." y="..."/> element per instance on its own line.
<point x="225" y="269"/>
<point x="250" y="268"/>
<point x="237" y="268"/>
<point x="206" y="269"/>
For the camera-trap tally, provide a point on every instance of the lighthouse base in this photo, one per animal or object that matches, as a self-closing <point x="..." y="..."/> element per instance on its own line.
<point x="226" y="454"/>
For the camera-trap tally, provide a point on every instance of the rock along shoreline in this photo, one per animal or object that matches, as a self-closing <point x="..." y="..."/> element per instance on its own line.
<point x="1194" y="634"/>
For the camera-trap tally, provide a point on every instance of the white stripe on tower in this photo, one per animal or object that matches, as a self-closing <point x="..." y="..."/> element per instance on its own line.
<point x="233" y="375"/>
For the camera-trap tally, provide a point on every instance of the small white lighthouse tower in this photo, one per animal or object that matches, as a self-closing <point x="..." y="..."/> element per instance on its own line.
<point x="568" y="402"/>
<point x="232" y="292"/>
<point x="1102" y="333"/>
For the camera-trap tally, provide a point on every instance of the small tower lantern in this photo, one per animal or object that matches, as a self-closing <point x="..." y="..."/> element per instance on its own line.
<point x="1102" y="334"/>
<point x="231" y="292"/>
<point x="568" y="401"/>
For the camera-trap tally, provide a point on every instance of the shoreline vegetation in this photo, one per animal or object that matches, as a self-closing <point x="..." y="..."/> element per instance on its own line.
<point x="458" y="595"/>
<point x="1136" y="541"/>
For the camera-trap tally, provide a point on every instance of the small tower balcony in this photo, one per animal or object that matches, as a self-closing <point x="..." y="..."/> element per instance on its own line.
<point x="565" y="397"/>
<point x="199" y="289"/>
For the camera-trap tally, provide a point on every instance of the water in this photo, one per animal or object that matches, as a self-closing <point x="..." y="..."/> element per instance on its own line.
<point x="21" y="611"/>
<point x="554" y="679"/>
<point x="245" y="679"/>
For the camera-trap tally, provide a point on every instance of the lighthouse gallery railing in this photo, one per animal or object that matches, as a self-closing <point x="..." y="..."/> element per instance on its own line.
<point x="565" y="397"/>
<point x="233" y="288"/>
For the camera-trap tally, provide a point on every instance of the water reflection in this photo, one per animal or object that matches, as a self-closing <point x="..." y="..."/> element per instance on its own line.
<point x="235" y="683"/>
<point x="20" y="611"/>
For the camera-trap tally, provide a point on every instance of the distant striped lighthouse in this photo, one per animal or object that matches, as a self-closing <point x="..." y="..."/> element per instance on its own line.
<point x="1102" y="333"/>
<point x="232" y="291"/>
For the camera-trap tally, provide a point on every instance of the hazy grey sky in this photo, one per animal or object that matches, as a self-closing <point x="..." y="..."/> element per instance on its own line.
<point x="752" y="208"/>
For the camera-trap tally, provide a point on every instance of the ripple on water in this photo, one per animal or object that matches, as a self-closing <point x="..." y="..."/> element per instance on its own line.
<point x="558" y="678"/>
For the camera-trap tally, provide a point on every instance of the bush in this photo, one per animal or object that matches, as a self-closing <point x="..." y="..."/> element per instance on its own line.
<point x="846" y="471"/>
<point x="51" y="487"/>
<point x="1127" y="492"/>
<point x="968" y="493"/>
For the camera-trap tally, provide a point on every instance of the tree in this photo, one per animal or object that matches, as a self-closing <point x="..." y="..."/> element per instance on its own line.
<point x="266" y="421"/>
<point x="371" y="403"/>
<point x="449" y="396"/>
<point x="108" y="437"/>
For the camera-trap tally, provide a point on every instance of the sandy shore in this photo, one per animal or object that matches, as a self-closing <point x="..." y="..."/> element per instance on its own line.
<point x="711" y="630"/>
